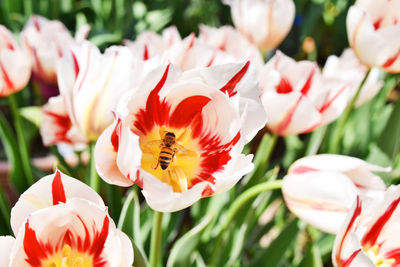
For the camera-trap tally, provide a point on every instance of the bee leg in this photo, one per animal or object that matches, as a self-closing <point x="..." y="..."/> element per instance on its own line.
<point x="158" y="163"/>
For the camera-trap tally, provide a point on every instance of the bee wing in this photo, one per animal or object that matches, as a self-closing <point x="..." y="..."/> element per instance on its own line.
<point x="182" y="151"/>
<point x="147" y="147"/>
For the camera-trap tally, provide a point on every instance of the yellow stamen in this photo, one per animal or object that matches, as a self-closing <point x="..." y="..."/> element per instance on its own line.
<point x="68" y="257"/>
<point x="376" y="258"/>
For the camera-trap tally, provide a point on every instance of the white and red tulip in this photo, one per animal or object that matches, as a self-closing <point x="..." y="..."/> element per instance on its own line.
<point x="230" y="41"/>
<point x="91" y="84"/>
<point x="348" y="68"/>
<point x="213" y="112"/>
<point x="297" y="98"/>
<point x="15" y="65"/>
<point x="48" y="191"/>
<point x="321" y="189"/>
<point x="150" y="44"/>
<point x="59" y="221"/>
<point x="369" y="236"/>
<point x="47" y="41"/>
<point x="265" y="23"/>
<point x="373" y="28"/>
<point x="75" y="233"/>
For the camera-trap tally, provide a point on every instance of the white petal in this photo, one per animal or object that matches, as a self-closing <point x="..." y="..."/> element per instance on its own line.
<point x="6" y="245"/>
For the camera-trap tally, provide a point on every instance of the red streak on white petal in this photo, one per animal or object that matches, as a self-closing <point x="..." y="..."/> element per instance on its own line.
<point x="211" y="60"/>
<point x="208" y="191"/>
<point x="85" y="70"/>
<point x="191" y="42"/>
<point x="377" y="23"/>
<point x="302" y="169"/>
<point x="156" y="112"/>
<point x="370" y="238"/>
<point x="287" y="119"/>
<point x="36" y="23"/>
<point x="329" y="102"/>
<point x="350" y="259"/>
<point x="284" y="86"/>
<point x="231" y="85"/>
<point x="6" y="78"/>
<point x="76" y="65"/>
<point x="146" y="52"/>
<point x="308" y="83"/>
<point x="357" y="211"/>
<point x="6" y="37"/>
<point x="63" y="123"/>
<point x="393" y="254"/>
<point x="57" y="189"/>
<point x="115" y="135"/>
<point x="35" y="250"/>
<point x="391" y="60"/>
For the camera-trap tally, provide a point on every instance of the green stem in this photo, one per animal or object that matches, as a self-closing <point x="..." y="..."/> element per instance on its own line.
<point x="338" y="132"/>
<point x="156" y="234"/>
<point x="94" y="177"/>
<point x="316" y="139"/>
<point x="23" y="148"/>
<point x="236" y="206"/>
<point x="5" y="209"/>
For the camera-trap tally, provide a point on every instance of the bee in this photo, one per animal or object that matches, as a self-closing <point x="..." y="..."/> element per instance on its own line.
<point x="169" y="147"/>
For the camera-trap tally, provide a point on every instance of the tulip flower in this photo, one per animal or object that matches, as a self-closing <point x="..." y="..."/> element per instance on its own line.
<point x="15" y="65"/>
<point x="47" y="42"/>
<point x="149" y="44"/>
<point x="230" y="41"/>
<point x="373" y="28"/>
<point x="48" y="191"/>
<point x="74" y="233"/>
<point x="60" y="221"/>
<point x="348" y="68"/>
<point x="91" y="84"/>
<point x="297" y="98"/>
<point x="265" y="23"/>
<point x="321" y="189"/>
<point x="181" y="135"/>
<point x="369" y="236"/>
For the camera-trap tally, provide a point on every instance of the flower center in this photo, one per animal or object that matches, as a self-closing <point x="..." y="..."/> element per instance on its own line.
<point x="376" y="258"/>
<point x="172" y="155"/>
<point x="68" y="257"/>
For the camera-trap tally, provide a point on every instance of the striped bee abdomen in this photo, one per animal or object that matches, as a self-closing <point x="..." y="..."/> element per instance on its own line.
<point x="165" y="157"/>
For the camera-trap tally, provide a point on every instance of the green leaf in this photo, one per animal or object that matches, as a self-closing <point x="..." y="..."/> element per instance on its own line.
<point x="389" y="141"/>
<point x="274" y="253"/>
<point x="312" y="257"/>
<point x="11" y="148"/>
<point x="182" y="251"/>
<point x="140" y="259"/>
<point x="129" y="220"/>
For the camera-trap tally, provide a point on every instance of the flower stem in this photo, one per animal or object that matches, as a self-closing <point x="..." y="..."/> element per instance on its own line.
<point x="338" y="132"/>
<point x="235" y="208"/>
<point x="94" y="177"/>
<point x="156" y="234"/>
<point x="23" y="148"/>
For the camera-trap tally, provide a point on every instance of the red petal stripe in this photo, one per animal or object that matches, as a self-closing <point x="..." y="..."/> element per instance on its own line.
<point x="35" y="250"/>
<point x="6" y="78"/>
<point x="145" y="53"/>
<point x="187" y="110"/>
<point x="287" y="119"/>
<point x="284" y="86"/>
<point x="377" y="23"/>
<point x="231" y="85"/>
<point x="63" y="123"/>
<point x="57" y="189"/>
<point x="356" y="213"/>
<point x="308" y="83"/>
<point x="115" y="135"/>
<point x="329" y="102"/>
<point x="391" y="60"/>
<point x="76" y="65"/>
<point x="302" y="169"/>
<point x="372" y="235"/>
<point x="155" y="112"/>
<point x="393" y="254"/>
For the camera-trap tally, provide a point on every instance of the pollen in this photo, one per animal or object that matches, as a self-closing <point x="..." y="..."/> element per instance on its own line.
<point x="175" y="162"/>
<point x="68" y="257"/>
<point x="376" y="258"/>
